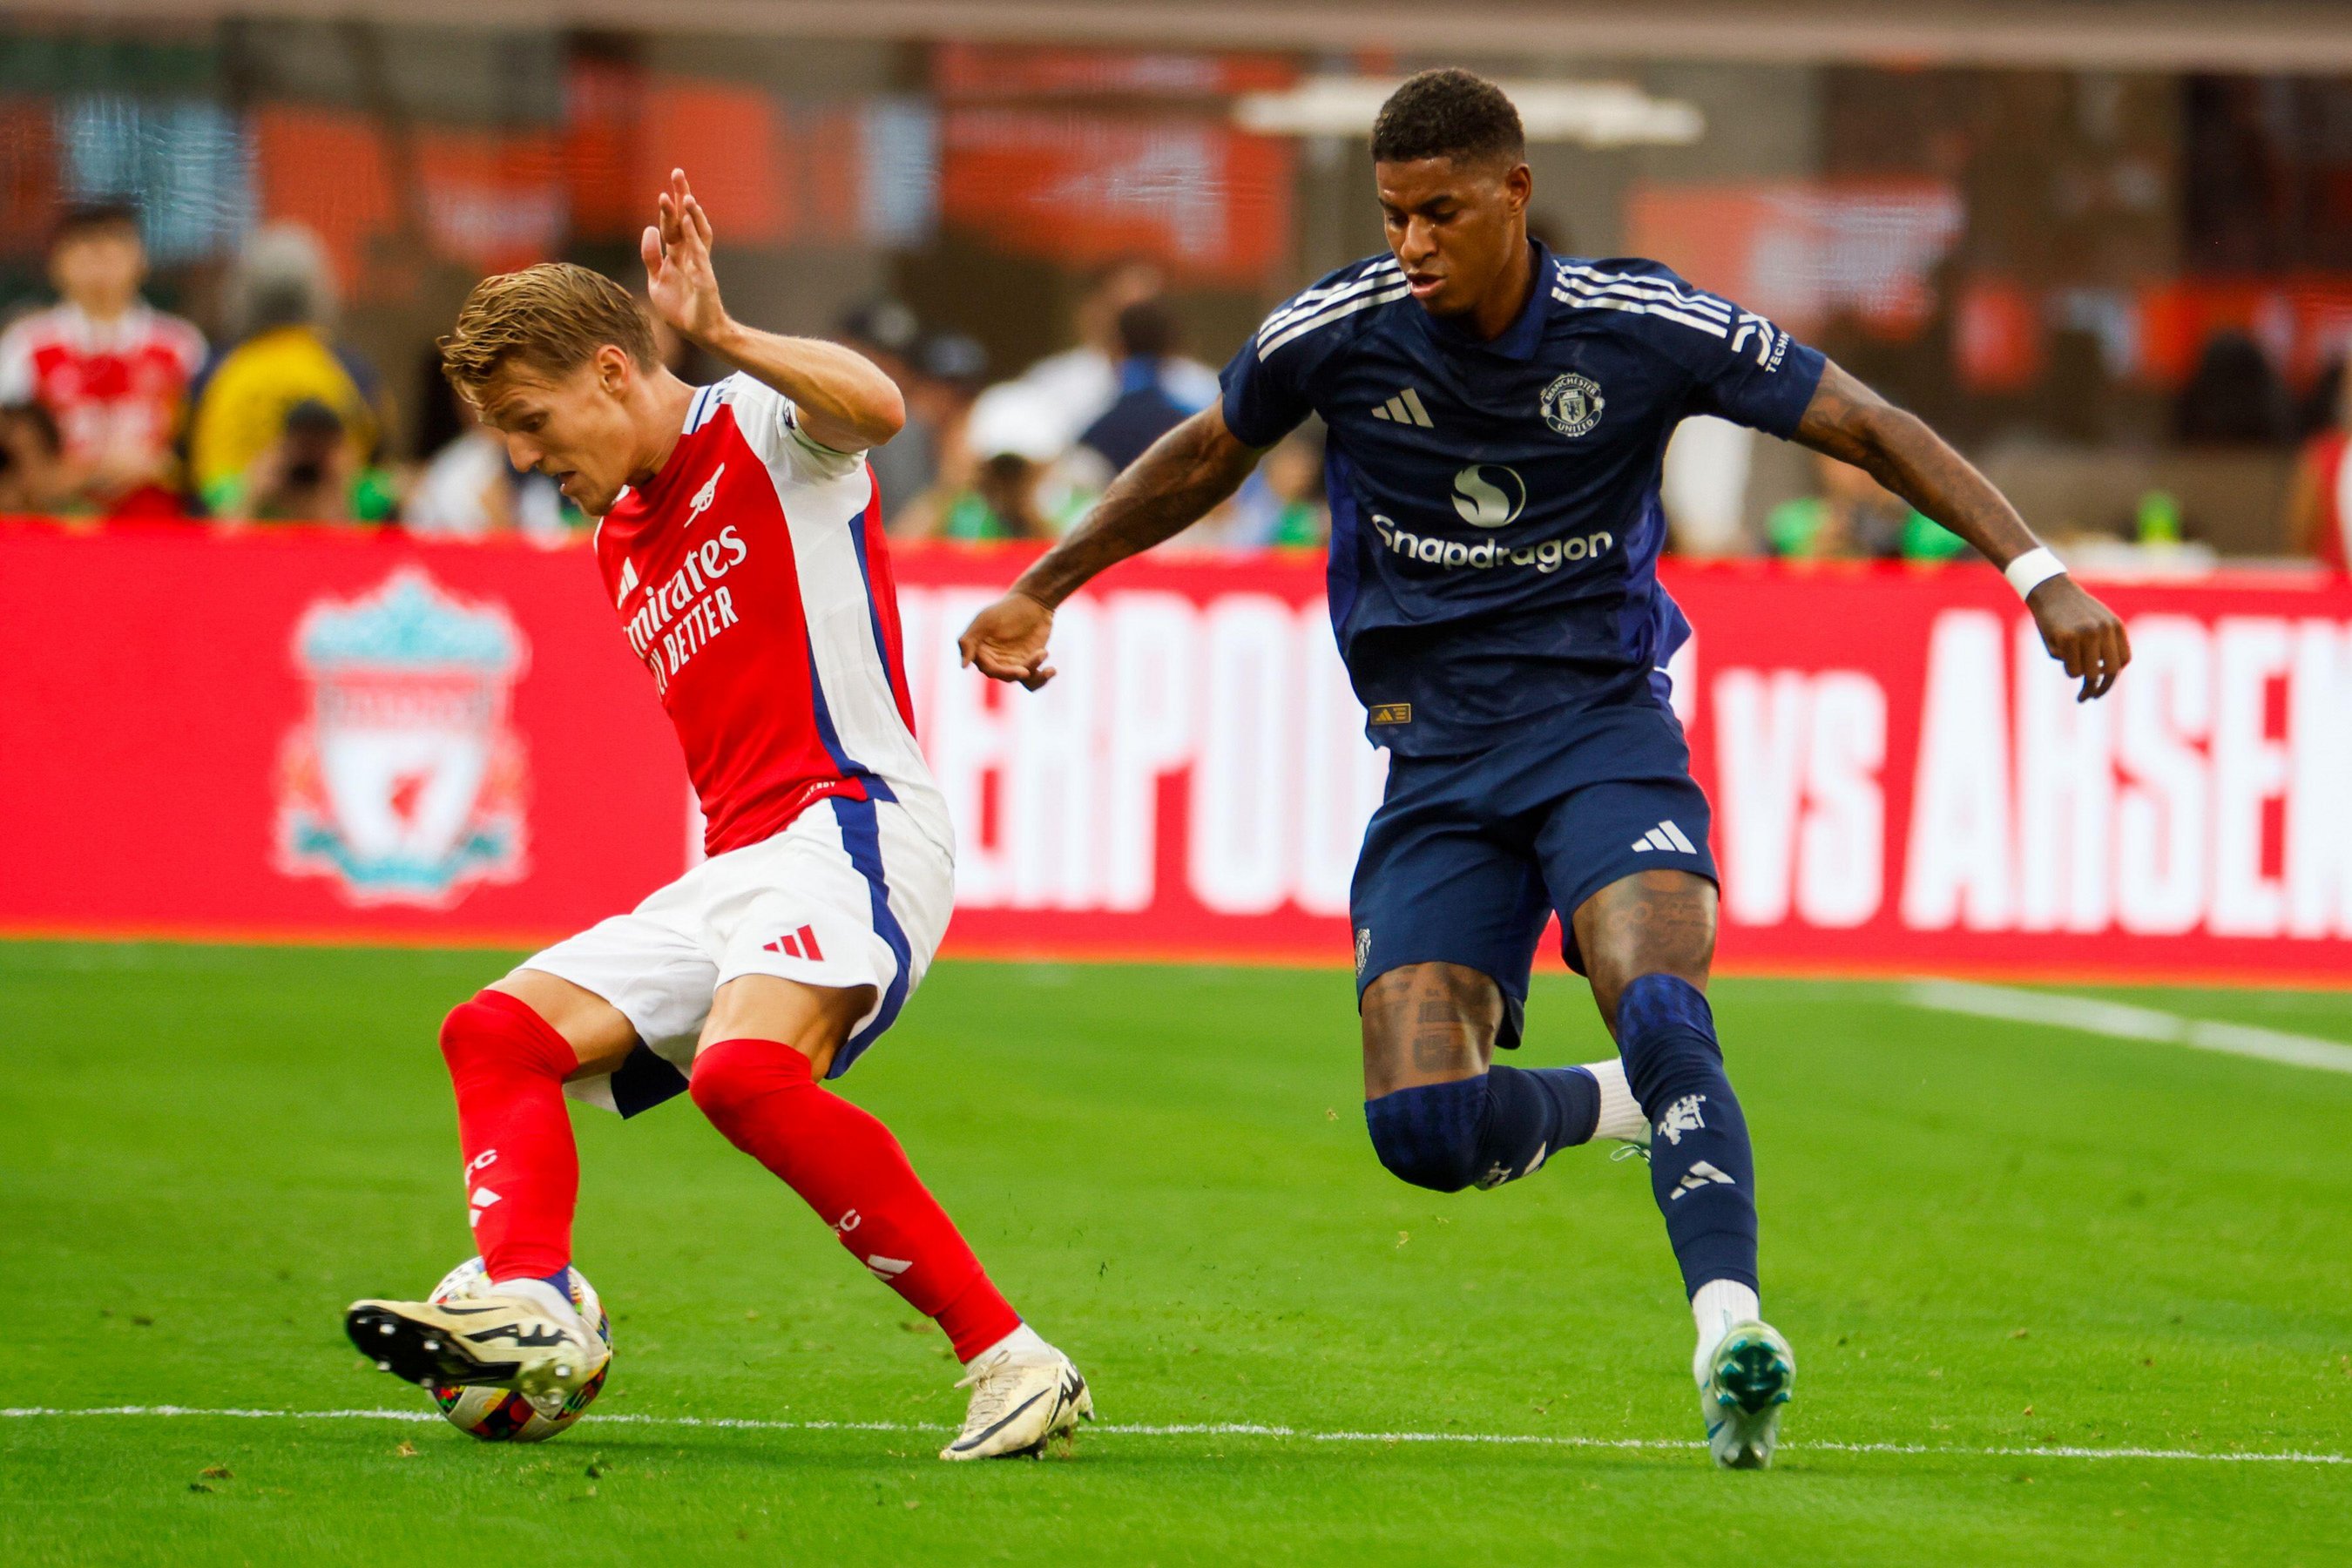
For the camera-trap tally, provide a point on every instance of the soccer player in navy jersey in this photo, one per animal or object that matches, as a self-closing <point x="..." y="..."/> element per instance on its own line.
<point x="1496" y="416"/>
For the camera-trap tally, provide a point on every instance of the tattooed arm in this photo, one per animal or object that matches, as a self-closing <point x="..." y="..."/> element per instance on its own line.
<point x="1855" y="425"/>
<point x="1165" y="492"/>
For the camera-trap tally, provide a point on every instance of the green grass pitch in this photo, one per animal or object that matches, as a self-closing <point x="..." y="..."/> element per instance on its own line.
<point x="1988" y="1242"/>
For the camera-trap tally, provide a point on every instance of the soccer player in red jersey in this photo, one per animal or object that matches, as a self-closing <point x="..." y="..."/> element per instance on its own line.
<point x="740" y="543"/>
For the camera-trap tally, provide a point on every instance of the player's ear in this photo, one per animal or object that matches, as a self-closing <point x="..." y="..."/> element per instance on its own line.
<point x="613" y="369"/>
<point x="1518" y="186"/>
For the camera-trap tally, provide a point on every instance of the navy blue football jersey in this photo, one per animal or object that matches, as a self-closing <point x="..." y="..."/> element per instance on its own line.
<point x="1495" y="516"/>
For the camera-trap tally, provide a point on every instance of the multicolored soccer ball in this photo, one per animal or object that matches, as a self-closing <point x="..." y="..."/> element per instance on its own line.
<point x="500" y="1414"/>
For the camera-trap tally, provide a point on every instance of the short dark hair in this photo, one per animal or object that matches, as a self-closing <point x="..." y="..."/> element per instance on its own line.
<point x="1145" y="331"/>
<point x="1447" y="113"/>
<point x="79" y="218"/>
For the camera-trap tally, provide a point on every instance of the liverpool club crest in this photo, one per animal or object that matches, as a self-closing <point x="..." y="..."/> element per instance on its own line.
<point x="405" y="782"/>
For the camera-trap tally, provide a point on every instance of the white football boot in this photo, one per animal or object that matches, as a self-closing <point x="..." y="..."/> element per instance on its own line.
<point x="1024" y="1395"/>
<point x="506" y="1340"/>
<point x="1743" y="1381"/>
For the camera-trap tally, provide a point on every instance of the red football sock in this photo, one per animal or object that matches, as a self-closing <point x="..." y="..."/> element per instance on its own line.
<point x="764" y="1097"/>
<point x="523" y="1170"/>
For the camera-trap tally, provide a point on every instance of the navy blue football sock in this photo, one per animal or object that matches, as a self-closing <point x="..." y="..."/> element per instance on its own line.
<point x="1701" y="1168"/>
<point x="1483" y="1131"/>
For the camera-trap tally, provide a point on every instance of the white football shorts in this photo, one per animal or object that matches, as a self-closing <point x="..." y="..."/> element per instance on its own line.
<point x="852" y="894"/>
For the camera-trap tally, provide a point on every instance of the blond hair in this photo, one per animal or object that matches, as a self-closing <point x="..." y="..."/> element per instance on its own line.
<point x="553" y="317"/>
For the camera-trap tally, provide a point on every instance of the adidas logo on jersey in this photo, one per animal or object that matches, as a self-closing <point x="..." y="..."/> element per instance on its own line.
<point x="800" y="943"/>
<point x="705" y="496"/>
<point x="1667" y="836"/>
<point x="628" y="584"/>
<point x="1405" y="408"/>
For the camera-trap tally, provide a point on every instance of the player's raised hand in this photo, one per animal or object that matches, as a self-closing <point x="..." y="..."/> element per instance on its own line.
<point x="2081" y="633"/>
<point x="679" y="280"/>
<point x="1006" y="641"/>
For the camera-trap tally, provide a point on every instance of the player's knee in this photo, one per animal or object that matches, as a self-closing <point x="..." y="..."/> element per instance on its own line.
<point x="1653" y="923"/>
<point x="1429" y="1135"/>
<point x="732" y="1074"/>
<point x="721" y="1083"/>
<point x="490" y="1030"/>
<point x="461" y="1033"/>
<point x="1428" y="1020"/>
<point x="1665" y="1031"/>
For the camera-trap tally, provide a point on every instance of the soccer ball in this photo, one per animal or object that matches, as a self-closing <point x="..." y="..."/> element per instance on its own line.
<point x="500" y="1414"/>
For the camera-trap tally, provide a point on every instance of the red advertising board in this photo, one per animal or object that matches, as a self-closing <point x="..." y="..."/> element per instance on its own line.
<point x="315" y="735"/>
<point x="1206" y="201"/>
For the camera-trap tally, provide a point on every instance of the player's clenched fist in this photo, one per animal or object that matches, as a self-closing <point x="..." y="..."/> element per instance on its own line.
<point x="1006" y="641"/>
<point x="2081" y="633"/>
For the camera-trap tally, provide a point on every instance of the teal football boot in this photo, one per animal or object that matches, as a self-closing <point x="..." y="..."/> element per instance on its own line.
<point x="1751" y="1374"/>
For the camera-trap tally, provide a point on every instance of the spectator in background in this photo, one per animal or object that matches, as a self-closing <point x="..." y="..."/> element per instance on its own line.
<point x="1703" y="485"/>
<point x="309" y="472"/>
<point x="1011" y="439"/>
<point x="1854" y="519"/>
<point x="282" y="304"/>
<point x="1144" y="409"/>
<point x="33" y="478"/>
<point x="470" y="491"/>
<point x="2234" y="397"/>
<point x="886" y="331"/>
<point x="949" y="372"/>
<point x="2319" y="506"/>
<point x="1079" y="384"/>
<point x="110" y="371"/>
<point x="1281" y="504"/>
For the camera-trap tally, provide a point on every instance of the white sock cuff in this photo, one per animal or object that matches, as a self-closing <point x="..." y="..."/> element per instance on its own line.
<point x="539" y="1293"/>
<point x="1715" y="1307"/>
<point x="1022" y="1340"/>
<point x="1621" y="1117"/>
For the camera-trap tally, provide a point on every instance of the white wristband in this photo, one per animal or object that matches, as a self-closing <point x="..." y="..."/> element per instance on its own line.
<point x="2033" y="569"/>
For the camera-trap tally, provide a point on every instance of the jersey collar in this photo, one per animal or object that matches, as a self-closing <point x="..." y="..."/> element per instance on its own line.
<point x="1520" y="340"/>
<point x="89" y="335"/>
<point x="658" y="483"/>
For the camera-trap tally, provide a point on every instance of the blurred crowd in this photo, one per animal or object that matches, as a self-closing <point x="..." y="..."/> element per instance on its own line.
<point x="1026" y="457"/>
<point x="109" y="408"/>
<point x="112" y="408"/>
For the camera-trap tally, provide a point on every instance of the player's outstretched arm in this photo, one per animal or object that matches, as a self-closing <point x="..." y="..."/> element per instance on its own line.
<point x="1855" y="425"/>
<point x="843" y="400"/>
<point x="1159" y="495"/>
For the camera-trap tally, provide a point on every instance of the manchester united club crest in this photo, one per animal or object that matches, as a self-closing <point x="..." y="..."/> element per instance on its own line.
<point x="407" y="781"/>
<point x="1571" y="405"/>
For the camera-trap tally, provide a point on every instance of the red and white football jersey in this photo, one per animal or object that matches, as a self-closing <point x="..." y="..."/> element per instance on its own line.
<point x="119" y="381"/>
<point x="752" y="580"/>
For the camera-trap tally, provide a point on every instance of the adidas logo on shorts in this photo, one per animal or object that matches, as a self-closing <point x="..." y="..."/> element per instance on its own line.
<point x="1667" y="836"/>
<point x="800" y="943"/>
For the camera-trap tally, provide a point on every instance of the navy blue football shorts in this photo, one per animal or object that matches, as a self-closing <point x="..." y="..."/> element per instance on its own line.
<point x="1469" y="856"/>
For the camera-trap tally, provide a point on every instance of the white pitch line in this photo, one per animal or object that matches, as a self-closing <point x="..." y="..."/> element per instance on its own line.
<point x="2121" y="1021"/>
<point x="1230" y="1429"/>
